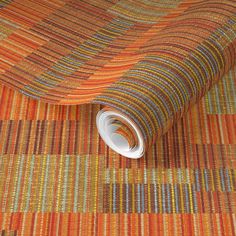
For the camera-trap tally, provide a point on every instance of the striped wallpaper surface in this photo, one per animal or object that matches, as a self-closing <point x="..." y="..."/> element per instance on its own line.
<point x="146" y="60"/>
<point x="57" y="176"/>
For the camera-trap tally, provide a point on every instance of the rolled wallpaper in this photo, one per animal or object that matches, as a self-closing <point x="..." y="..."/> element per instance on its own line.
<point x="145" y="62"/>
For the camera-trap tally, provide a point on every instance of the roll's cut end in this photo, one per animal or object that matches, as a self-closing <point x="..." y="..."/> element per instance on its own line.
<point x="120" y="133"/>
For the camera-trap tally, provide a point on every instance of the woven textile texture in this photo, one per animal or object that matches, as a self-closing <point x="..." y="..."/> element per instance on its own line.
<point x="57" y="176"/>
<point x="148" y="60"/>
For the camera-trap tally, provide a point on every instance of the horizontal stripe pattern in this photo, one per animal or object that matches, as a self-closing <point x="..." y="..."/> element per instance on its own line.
<point x="172" y="75"/>
<point x="182" y="62"/>
<point x="57" y="177"/>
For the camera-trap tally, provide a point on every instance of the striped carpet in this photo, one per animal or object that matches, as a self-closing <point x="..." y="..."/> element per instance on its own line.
<point x="57" y="176"/>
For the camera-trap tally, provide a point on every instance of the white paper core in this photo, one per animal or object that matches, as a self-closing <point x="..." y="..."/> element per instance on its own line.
<point x="107" y="129"/>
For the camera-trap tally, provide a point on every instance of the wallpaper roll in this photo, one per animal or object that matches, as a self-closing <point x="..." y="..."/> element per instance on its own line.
<point x="146" y="66"/>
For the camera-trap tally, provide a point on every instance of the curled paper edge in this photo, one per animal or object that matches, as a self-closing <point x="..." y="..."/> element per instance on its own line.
<point x="105" y="121"/>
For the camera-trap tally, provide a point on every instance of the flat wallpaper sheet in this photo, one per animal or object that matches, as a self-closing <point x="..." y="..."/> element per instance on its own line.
<point x="57" y="175"/>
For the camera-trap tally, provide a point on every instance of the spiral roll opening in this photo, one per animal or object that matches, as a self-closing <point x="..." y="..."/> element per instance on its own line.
<point x="120" y="133"/>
